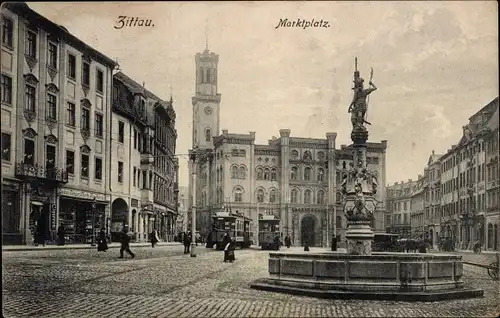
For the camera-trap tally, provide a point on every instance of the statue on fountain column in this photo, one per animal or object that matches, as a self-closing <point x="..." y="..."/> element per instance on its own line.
<point x="359" y="106"/>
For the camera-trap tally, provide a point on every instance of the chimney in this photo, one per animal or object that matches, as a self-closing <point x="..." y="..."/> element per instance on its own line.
<point x="433" y="152"/>
<point x="224" y="131"/>
<point x="409" y="180"/>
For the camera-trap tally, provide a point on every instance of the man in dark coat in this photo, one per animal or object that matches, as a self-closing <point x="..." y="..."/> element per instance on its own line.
<point x="187" y="242"/>
<point x="125" y="242"/>
<point x="61" y="233"/>
<point x="334" y="243"/>
<point x="288" y="241"/>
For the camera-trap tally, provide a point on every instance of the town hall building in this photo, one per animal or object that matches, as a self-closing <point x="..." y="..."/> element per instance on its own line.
<point x="297" y="179"/>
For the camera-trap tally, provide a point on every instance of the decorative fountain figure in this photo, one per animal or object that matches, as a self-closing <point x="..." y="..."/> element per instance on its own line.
<point x="359" y="199"/>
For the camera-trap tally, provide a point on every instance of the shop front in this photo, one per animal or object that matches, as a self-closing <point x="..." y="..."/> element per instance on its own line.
<point x="11" y="216"/>
<point x="82" y="214"/>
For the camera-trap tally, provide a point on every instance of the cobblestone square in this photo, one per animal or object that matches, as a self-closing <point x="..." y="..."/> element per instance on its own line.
<point x="163" y="282"/>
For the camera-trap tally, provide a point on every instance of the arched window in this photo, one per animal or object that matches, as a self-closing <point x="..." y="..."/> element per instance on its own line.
<point x="208" y="135"/>
<point x="260" y="195"/>
<point x="337" y="174"/>
<point x="307" y="173"/>
<point x="209" y="75"/>
<point x="338" y="222"/>
<point x="204" y="75"/>
<point x="295" y="171"/>
<point x="307" y="155"/>
<point x="294" y="195"/>
<point x="234" y="172"/>
<point x="273" y="175"/>
<point x="200" y="75"/>
<point x="320" y="197"/>
<point x="238" y="195"/>
<point x="307" y="196"/>
<point x="321" y="174"/>
<point x="266" y="174"/>
<point x="339" y="197"/>
<point x="272" y="196"/>
<point x="243" y="172"/>
<point x="259" y="173"/>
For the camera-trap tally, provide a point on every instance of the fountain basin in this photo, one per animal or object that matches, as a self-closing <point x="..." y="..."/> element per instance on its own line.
<point x="388" y="276"/>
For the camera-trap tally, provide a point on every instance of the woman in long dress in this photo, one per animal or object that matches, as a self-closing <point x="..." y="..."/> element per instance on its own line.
<point x="102" y="242"/>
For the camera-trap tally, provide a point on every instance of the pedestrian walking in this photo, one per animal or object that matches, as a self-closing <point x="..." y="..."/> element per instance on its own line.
<point x="277" y="242"/>
<point x="187" y="242"/>
<point x="334" y="243"/>
<point x="40" y="236"/>
<point x="288" y="241"/>
<point x="229" y="251"/>
<point x="102" y="241"/>
<point x="125" y="242"/>
<point x="61" y="235"/>
<point x="154" y="238"/>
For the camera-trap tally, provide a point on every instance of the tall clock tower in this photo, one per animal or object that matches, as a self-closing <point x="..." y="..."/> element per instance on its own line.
<point x="206" y="102"/>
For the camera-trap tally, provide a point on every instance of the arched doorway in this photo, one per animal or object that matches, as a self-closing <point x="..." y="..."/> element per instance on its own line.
<point x="119" y="218"/>
<point x="307" y="230"/>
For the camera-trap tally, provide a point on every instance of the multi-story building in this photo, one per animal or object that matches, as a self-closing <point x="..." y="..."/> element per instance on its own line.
<point x="432" y="199"/>
<point x="399" y="197"/>
<point x="417" y="199"/>
<point x="144" y="176"/>
<point x="492" y="216"/>
<point x="463" y="179"/>
<point x="55" y="110"/>
<point x="294" y="178"/>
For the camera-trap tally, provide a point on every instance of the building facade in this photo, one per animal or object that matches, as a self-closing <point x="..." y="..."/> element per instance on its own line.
<point x="144" y="179"/>
<point x="81" y="148"/>
<point x="417" y="203"/>
<point x="55" y="171"/>
<point x="463" y="182"/>
<point x="492" y="215"/>
<point x="432" y="199"/>
<point x="399" y="197"/>
<point x="297" y="179"/>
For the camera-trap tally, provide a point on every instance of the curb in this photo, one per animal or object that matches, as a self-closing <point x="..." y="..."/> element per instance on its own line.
<point x="24" y="248"/>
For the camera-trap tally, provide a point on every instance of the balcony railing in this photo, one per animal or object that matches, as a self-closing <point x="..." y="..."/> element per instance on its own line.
<point x="35" y="171"/>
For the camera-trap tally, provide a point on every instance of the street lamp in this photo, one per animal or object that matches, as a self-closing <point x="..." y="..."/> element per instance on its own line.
<point x="94" y="205"/>
<point x="192" y="158"/>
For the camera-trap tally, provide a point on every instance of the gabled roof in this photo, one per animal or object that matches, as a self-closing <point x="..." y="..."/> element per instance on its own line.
<point x="433" y="158"/>
<point x="136" y="87"/>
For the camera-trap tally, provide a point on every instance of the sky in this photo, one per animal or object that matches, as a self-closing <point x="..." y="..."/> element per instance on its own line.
<point x="435" y="64"/>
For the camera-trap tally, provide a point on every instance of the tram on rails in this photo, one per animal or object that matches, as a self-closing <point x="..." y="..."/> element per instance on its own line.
<point x="238" y="226"/>
<point x="269" y="229"/>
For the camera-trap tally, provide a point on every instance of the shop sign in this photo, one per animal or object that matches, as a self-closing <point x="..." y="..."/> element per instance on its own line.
<point x="82" y="194"/>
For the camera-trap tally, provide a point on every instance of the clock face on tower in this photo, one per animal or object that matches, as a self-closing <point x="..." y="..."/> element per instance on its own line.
<point x="208" y="110"/>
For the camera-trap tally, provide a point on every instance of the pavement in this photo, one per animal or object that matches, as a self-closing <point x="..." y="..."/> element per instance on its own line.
<point x="17" y="248"/>
<point x="164" y="282"/>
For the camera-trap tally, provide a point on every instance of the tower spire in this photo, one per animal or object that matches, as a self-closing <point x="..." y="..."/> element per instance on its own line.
<point x="206" y="34"/>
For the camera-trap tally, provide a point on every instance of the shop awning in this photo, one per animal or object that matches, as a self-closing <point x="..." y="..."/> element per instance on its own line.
<point x="37" y="203"/>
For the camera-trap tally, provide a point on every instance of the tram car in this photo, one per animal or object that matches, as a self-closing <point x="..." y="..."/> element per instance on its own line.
<point x="236" y="224"/>
<point x="269" y="228"/>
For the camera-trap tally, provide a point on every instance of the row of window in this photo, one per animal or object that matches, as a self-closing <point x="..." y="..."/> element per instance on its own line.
<point x="320" y="175"/>
<point x="142" y="175"/>
<point x="31" y="49"/>
<point x="459" y="157"/>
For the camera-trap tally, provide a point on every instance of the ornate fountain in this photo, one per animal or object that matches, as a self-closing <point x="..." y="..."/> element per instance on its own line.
<point x="359" y="273"/>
